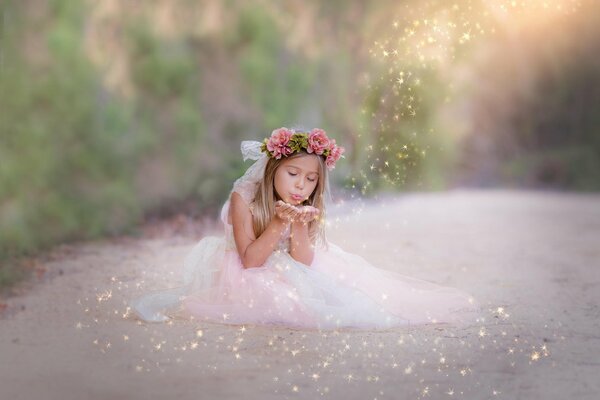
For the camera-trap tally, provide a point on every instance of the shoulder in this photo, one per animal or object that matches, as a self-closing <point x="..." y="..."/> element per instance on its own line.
<point x="237" y="201"/>
<point x="239" y="205"/>
<point x="246" y="190"/>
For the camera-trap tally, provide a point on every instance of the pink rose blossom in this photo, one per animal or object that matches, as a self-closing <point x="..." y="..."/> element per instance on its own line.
<point x="317" y="141"/>
<point x="278" y="142"/>
<point x="335" y="153"/>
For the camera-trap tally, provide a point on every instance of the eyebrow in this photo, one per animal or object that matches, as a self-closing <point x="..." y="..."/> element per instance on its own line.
<point x="294" y="166"/>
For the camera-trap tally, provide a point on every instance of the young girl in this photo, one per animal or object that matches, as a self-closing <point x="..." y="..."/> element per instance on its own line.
<point x="274" y="265"/>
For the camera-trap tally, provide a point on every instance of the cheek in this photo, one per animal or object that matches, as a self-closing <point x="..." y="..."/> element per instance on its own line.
<point x="281" y="182"/>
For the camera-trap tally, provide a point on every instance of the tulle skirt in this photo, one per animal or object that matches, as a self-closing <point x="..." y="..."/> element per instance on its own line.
<point x="338" y="290"/>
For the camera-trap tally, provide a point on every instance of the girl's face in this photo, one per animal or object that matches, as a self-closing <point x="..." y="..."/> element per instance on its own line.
<point x="297" y="178"/>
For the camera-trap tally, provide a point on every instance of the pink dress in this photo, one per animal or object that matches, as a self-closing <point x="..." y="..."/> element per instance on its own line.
<point x="339" y="290"/>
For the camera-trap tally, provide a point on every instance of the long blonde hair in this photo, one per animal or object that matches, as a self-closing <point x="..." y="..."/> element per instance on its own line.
<point x="266" y="196"/>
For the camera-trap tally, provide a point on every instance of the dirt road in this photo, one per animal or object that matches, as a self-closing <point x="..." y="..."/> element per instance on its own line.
<point x="532" y="258"/>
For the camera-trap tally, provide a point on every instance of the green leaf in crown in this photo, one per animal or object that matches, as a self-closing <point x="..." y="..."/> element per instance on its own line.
<point x="298" y="141"/>
<point x="263" y="148"/>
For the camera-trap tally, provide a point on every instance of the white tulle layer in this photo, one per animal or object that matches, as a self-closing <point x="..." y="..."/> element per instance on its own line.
<point x="338" y="290"/>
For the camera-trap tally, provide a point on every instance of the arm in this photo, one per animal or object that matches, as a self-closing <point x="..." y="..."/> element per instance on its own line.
<point x="253" y="251"/>
<point x="301" y="248"/>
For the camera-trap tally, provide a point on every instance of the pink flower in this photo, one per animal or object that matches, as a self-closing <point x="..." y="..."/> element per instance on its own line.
<point x="317" y="141"/>
<point x="335" y="153"/>
<point x="278" y="142"/>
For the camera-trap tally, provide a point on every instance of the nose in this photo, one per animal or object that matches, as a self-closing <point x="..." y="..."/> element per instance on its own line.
<point x="300" y="183"/>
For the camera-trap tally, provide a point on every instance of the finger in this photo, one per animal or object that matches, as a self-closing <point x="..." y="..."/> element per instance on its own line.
<point x="291" y="214"/>
<point x="298" y="215"/>
<point x="309" y="216"/>
<point x="283" y="210"/>
<point x="306" y="217"/>
<point x="279" y="211"/>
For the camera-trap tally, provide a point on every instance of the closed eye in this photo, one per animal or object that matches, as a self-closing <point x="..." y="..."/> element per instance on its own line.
<point x="310" y="180"/>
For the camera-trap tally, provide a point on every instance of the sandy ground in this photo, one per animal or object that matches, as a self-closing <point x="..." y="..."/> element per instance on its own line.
<point x="532" y="259"/>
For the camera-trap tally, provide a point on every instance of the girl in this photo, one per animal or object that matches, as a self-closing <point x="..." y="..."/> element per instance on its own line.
<point x="274" y="265"/>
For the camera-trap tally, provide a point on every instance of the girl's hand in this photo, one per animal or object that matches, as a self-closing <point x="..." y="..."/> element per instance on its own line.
<point x="308" y="213"/>
<point x="287" y="212"/>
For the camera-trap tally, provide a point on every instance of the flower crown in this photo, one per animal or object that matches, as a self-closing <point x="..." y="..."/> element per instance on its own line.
<point x="284" y="141"/>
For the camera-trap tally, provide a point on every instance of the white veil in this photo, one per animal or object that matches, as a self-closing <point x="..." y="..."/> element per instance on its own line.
<point x="253" y="175"/>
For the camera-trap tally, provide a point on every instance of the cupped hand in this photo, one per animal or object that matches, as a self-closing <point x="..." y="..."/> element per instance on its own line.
<point x="308" y="213"/>
<point x="286" y="211"/>
<point x="291" y="213"/>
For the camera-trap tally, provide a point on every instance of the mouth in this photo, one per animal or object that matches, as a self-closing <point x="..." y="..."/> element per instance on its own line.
<point x="297" y="197"/>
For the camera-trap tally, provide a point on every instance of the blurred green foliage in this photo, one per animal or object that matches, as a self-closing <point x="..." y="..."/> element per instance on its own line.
<point x="64" y="170"/>
<point x="78" y="161"/>
<point x="405" y="149"/>
<point x="276" y="83"/>
<point x="82" y="156"/>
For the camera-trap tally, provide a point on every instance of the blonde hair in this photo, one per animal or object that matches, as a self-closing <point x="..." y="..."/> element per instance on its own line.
<point x="266" y="196"/>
